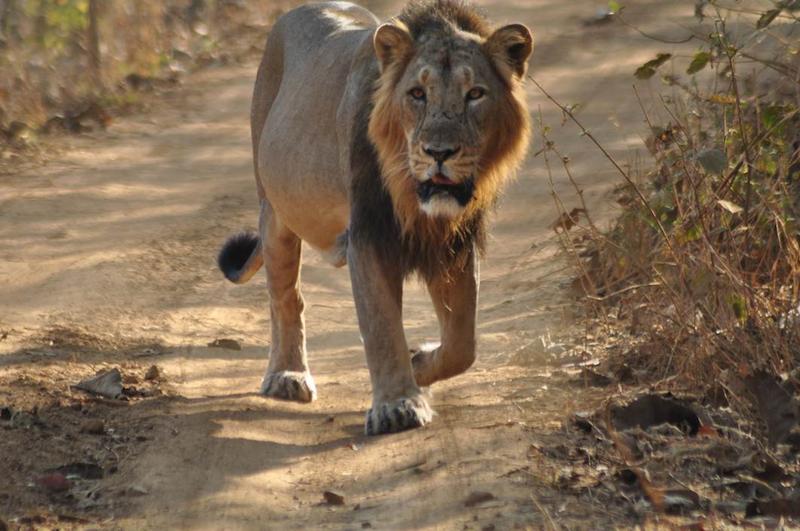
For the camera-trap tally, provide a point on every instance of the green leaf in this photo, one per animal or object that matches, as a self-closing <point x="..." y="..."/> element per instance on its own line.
<point x="648" y="70"/>
<point x="713" y="160"/>
<point x="773" y="114"/>
<point x="767" y="18"/>
<point x="614" y="7"/>
<point x="694" y="233"/>
<point x="699" y="62"/>
<point x="739" y="307"/>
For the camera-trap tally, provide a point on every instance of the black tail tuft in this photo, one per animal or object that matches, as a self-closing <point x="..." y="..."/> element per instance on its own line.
<point x="234" y="254"/>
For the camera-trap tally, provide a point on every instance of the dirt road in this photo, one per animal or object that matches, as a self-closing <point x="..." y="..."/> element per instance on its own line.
<point x="115" y="243"/>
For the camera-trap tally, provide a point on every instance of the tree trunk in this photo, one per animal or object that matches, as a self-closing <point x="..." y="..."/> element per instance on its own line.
<point x="40" y="23"/>
<point x="5" y="21"/>
<point x="93" y="42"/>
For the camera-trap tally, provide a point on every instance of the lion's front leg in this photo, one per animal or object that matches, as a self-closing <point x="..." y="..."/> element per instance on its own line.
<point x="455" y="298"/>
<point x="397" y="402"/>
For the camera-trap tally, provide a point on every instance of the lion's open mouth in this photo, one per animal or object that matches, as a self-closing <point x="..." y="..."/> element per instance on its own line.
<point x="439" y="184"/>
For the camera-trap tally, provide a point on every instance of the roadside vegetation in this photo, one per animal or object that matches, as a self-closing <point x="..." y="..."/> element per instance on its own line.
<point x="694" y="289"/>
<point x="700" y="272"/>
<point x="70" y="65"/>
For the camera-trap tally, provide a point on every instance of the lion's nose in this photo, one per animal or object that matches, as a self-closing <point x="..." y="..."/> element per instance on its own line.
<point x="440" y="153"/>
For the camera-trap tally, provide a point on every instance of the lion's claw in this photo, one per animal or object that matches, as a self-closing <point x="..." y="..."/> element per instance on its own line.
<point x="400" y="415"/>
<point x="289" y="385"/>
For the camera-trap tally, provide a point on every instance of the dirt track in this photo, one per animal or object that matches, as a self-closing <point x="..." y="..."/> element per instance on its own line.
<point x="118" y="238"/>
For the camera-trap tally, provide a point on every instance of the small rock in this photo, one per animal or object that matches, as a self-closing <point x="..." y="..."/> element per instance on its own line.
<point x="94" y="427"/>
<point x="153" y="373"/>
<point x="107" y="384"/>
<point x="478" y="497"/>
<point x="333" y="498"/>
<point x="55" y="482"/>
<point x="366" y="525"/>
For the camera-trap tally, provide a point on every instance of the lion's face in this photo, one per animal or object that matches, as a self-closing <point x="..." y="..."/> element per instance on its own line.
<point x="448" y="113"/>
<point x="448" y="94"/>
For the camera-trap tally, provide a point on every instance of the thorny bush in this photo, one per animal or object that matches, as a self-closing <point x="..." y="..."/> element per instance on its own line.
<point x="703" y="263"/>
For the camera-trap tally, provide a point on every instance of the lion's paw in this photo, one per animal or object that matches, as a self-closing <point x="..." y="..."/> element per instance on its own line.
<point x="289" y="385"/>
<point x="399" y="415"/>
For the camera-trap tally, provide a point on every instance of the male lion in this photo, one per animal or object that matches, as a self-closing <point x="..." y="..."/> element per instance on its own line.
<point x="382" y="146"/>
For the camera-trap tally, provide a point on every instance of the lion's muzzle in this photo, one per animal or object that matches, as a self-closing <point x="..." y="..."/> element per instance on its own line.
<point x="462" y="191"/>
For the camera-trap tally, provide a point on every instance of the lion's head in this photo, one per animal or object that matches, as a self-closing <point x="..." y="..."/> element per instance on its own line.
<point x="449" y="119"/>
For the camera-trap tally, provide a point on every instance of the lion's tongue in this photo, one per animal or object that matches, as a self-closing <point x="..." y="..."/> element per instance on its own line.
<point x="442" y="180"/>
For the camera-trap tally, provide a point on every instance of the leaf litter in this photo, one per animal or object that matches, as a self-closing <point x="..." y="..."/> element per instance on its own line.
<point x="688" y="461"/>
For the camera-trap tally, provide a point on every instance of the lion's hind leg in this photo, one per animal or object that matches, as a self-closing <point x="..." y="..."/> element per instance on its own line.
<point x="288" y="376"/>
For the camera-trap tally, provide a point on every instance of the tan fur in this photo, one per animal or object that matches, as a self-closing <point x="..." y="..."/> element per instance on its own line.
<point x="511" y="129"/>
<point x="319" y="181"/>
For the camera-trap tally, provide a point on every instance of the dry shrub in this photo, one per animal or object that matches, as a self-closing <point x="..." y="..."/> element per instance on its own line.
<point x="48" y="66"/>
<point x="703" y="263"/>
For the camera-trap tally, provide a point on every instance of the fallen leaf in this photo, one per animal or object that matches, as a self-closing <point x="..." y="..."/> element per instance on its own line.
<point x="707" y="431"/>
<point x="333" y="498"/>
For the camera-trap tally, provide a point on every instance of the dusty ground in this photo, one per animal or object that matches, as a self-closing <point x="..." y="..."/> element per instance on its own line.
<point x="108" y="261"/>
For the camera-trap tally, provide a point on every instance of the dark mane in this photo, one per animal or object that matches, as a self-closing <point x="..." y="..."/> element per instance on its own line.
<point x="421" y="17"/>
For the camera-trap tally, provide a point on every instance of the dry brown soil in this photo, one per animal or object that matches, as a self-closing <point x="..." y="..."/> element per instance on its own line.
<point x="108" y="261"/>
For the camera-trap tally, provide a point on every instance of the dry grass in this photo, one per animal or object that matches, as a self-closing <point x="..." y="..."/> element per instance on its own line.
<point x="48" y="75"/>
<point x="703" y="264"/>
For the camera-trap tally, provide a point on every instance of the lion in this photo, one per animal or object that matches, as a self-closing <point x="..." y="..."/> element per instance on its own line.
<point x="383" y="146"/>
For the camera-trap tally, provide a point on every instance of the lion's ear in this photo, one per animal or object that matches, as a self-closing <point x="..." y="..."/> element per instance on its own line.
<point x="392" y="43"/>
<point x="509" y="47"/>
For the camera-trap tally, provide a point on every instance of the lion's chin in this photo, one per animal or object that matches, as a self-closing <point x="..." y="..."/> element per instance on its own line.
<point x="442" y="206"/>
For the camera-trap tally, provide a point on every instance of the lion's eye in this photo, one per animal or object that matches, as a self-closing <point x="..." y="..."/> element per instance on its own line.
<point x="417" y="93"/>
<point x="475" y="93"/>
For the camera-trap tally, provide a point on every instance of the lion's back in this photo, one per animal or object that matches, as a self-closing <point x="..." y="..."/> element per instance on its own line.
<point x="311" y="50"/>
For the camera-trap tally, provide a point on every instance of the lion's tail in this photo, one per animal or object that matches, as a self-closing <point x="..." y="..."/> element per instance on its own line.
<point x="241" y="258"/>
